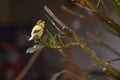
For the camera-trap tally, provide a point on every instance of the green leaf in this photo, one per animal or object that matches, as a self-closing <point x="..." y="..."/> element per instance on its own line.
<point x="34" y="48"/>
<point x="52" y="40"/>
<point x="116" y="5"/>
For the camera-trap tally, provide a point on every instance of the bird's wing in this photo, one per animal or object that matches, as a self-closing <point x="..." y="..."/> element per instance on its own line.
<point x="36" y="31"/>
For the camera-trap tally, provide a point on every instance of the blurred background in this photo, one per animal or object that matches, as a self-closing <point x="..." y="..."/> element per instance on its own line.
<point x="17" y="17"/>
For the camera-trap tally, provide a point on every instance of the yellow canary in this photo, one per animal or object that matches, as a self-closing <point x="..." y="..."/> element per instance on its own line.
<point x="37" y="30"/>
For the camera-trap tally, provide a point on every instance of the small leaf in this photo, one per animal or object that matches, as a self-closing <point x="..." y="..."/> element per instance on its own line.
<point x="34" y="48"/>
<point x="52" y="40"/>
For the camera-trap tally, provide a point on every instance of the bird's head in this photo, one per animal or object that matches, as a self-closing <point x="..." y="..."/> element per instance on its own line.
<point x="41" y="23"/>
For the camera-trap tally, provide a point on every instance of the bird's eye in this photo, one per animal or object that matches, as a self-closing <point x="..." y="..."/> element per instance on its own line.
<point x="36" y="31"/>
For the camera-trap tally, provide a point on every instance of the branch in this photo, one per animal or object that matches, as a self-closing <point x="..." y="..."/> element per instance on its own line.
<point x="102" y="43"/>
<point x="29" y="64"/>
<point x="113" y="60"/>
<point x="71" y="12"/>
<point x="91" y="53"/>
<point x="54" y="24"/>
<point x="54" y="17"/>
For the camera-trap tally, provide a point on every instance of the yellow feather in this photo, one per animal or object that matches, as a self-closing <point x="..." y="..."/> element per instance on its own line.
<point x="37" y="30"/>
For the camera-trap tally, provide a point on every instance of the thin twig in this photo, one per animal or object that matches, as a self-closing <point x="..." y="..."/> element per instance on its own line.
<point x="29" y="64"/>
<point x="54" y="24"/>
<point x="102" y="43"/>
<point x="64" y="27"/>
<point x="98" y="3"/>
<point x="106" y="9"/>
<point x="71" y="11"/>
<point x="54" y="17"/>
<point x="113" y="60"/>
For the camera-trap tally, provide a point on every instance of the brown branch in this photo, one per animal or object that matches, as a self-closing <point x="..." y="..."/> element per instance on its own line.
<point x="54" y="17"/>
<point x="29" y="64"/>
<point x="71" y="12"/>
<point x="113" y="60"/>
<point x="54" y="24"/>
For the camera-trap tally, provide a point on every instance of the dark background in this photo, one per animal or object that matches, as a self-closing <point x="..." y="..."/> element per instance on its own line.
<point x="17" y="17"/>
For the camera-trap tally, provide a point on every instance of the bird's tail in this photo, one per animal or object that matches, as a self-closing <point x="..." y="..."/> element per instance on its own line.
<point x="31" y="38"/>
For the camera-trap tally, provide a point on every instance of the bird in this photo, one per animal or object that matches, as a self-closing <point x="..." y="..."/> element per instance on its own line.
<point x="37" y="30"/>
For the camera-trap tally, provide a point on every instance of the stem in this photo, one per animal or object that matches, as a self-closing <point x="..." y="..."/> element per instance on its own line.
<point x="109" y="21"/>
<point x="29" y="64"/>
